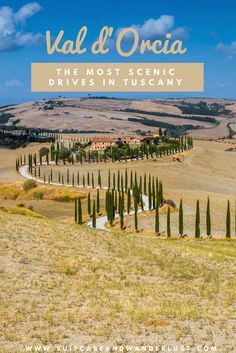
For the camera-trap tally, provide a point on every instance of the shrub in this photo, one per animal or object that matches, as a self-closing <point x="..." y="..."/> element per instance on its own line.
<point x="62" y="198"/>
<point x="20" y="205"/>
<point x="29" y="184"/>
<point x="38" y="195"/>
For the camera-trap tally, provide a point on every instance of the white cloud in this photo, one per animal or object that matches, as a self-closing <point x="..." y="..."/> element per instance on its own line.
<point x="27" y="11"/>
<point x="12" y="83"/>
<point x="229" y="49"/>
<point x="154" y="28"/>
<point x="12" y="27"/>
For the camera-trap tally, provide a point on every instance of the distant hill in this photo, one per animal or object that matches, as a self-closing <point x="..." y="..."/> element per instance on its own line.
<point x="204" y="118"/>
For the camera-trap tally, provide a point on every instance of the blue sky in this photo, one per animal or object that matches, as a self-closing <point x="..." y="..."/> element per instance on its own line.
<point x="207" y="29"/>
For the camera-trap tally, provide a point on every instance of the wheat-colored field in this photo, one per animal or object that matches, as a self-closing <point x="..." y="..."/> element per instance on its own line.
<point x="65" y="284"/>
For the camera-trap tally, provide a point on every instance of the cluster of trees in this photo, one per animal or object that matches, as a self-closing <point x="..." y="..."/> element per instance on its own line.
<point x="190" y="117"/>
<point x="76" y="153"/>
<point x="173" y="130"/>
<point x="202" y="108"/>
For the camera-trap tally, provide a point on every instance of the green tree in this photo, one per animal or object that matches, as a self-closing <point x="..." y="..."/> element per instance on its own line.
<point x="197" y="220"/>
<point x="80" y="216"/>
<point x="208" y="218"/>
<point x="98" y="201"/>
<point x="76" y="211"/>
<point x="157" y="221"/>
<point x="135" y="215"/>
<point x="228" y="221"/>
<point x="89" y="204"/>
<point x="94" y="215"/>
<point x="168" y="223"/>
<point x="181" y="219"/>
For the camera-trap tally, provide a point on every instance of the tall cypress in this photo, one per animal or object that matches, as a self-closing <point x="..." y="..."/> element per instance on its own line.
<point x="153" y="194"/>
<point x="157" y="221"/>
<point x="228" y="221"/>
<point x="160" y="197"/>
<point x="128" y="201"/>
<point x="92" y="181"/>
<point x="89" y="204"/>
<point x="168" y="223"/>
<point x="208" y="218"/>
<point x="149" y="195"/>
<point x="181" y="219"/>
<point x="76" y="211"/>
<point x="94" y="215"/>
<point x="109" y="179"/>
<point x="79" y="208"/>
<point x="135" y="215"/>
<point x="99" y="179"/>
<point x="145" y="184"/>
<point x="98" y="201"/>
<point x="126" y="180"/>
<point x="197" y="220"/>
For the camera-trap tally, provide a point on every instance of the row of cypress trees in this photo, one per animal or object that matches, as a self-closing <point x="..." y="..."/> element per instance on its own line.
<point x="197" y="232"/>
<point x="116" y="203"/>
<point x="58" y="152"/>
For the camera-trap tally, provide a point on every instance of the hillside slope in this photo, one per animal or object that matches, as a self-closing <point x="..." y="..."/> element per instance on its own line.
<point x="65" y="284"/>
<point x="119" y="115"/>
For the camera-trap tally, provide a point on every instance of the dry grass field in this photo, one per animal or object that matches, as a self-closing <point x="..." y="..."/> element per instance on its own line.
<point x="65" y="284"/>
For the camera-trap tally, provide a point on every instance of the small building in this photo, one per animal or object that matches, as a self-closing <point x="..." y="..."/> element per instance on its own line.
<point x="102" y="143"/>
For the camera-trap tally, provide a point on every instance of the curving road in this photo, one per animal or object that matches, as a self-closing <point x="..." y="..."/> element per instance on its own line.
<point x="100" y="221"/>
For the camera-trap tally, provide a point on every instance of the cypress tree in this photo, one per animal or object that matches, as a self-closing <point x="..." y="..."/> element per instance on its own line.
<point x="160" y="192"/>
<point x="149" y="195"/>
<point x="208" y="218"/>
<point x="89" y="204"/>
<point x="197" y="220"/>
<point x="135" y="215"/>
<point x="94" y="215"/>
<point x="118" y="180"/>
<point x="88" y="178"/>
<point x="126" y="180"/>
<point x="98" y="201"/>
<point x="168" y="223"/>
<point x="145" y="184"/>
<point x="76" y="211"/>
<point x="83" y="181"/>
<point x="114" y="181"/>
<point x="228" y="221"/>
<point x="157" y="221"/>
<point x="122" y="183"/>
<point x="92" y="181"/>
<point x="131" y="180"/>
<point x="121" y="211"/>
<point x="78" y="178"/>
<point x="99" y="179"/>
<point x="181" y="219"/>
<point x="153" y="194"/>
<point x="109" y="179"/>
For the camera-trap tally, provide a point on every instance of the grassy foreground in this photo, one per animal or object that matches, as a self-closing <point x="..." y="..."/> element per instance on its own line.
<point x="65" y="284"/>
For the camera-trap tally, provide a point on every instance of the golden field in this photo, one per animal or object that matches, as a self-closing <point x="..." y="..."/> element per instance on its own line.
<point x="65" y="284"/>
